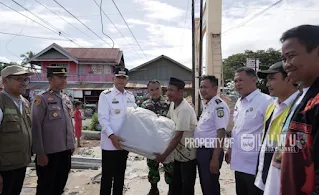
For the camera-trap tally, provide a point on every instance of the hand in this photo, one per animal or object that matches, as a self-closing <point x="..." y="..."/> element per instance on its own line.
<point x="116" y="141"/>
<point x="1" y="184"/>
<point x="160" y="157"/>
<point x="228" y="156"/>
<point x="214" y="166"/>
<point x="42" y="160"/>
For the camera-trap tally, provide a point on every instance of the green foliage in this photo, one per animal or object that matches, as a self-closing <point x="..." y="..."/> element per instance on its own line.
<point x="266" y="58"/>
<point x="94" y="121"/>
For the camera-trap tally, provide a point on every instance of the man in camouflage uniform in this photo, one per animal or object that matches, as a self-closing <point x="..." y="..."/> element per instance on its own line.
<point x="159" y="105"/>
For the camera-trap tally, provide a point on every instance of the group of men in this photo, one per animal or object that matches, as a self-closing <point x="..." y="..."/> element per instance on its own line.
<point x="43" y="128"/>
<point x="180" y="174"/>
<point x="274" y="141"/>
<point x="274" y="146"/>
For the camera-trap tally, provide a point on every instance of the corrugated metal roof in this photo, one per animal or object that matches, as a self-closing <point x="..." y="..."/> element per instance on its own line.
<point x="111" y="54"/>
<point x="84" y="86"/>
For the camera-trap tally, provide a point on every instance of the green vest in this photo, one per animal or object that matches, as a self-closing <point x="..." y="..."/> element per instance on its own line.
<point x="277" y="123"/>
<point x="15" y="135"/>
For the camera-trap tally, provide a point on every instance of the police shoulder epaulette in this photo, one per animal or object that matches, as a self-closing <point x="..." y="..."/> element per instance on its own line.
<point x="42" y="92"/>
<point x="218" y="101"/>
<point x="130" y="92"/>
<point x="107" y="91"/>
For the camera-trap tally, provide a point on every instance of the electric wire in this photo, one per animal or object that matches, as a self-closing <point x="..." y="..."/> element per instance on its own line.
<point x="84" y="24"/>
<point x="63" y="19"/>
<point x="116" y="27"/>
<point x="128" y="28"/>
<point x="47" y="23"/>
<point x="253" y="17"/>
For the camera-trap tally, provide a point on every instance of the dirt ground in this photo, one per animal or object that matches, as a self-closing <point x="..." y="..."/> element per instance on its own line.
<point x="87" y="182"/>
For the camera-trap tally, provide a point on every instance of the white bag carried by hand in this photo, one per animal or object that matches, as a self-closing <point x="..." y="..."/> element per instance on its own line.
<point x="145" y="133"/>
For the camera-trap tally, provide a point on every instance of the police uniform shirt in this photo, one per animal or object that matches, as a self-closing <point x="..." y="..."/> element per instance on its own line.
<point x="52" y="125"/>
<point x="214" y="116"/>
<point x="249" y="115"/>
<point x="111" y="113"/>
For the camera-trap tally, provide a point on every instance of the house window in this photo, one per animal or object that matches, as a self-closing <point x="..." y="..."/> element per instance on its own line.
<point x="63" y="65"/>
<point x="100" y="69"/>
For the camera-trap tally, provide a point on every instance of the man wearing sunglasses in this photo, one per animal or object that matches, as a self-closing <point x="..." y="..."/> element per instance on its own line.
<point x="159" y="105"/>
<point x="53" y="134"/>
<point x="15" y="130"/>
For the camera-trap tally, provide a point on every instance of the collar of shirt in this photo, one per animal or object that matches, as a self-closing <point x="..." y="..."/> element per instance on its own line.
<point x="118" y="91"/>
<point x="211" y="102"/>
<point x="180" y="105"/>
<point x="17" y="100"/>
<point x="251" y="95"/>
<point x="288" y="101"/>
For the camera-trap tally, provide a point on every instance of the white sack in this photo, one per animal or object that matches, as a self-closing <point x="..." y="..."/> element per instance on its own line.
<point x="145" y="133"/>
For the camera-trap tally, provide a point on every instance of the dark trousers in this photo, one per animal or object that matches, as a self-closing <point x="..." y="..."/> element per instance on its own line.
<point x="245" y="184"/>
<point x="13" y="181"/>
<point x="53" y="177"/>
<point x="184" y="177"/>
<point x="209" y="182"/>
<point x="113" y="169"/>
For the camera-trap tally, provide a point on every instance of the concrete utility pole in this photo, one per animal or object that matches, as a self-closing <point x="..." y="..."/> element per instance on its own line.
<point x="212" y="25"/>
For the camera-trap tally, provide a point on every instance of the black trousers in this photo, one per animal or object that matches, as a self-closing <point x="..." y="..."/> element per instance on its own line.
<point x="245" y="184"/>
<point x="184" y="177"/>
<point x="53" y="177"/>
<point x="13" y="181"/>
<point x="209" y="182"/>
<point x="113" y="169"/>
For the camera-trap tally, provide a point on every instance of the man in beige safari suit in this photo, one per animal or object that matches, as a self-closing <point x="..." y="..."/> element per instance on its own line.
<point x="15" y="130"/>
<point x="53" y="134"/>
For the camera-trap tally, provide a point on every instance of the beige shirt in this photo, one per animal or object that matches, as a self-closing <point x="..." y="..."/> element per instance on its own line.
<point x="185" y="120"/>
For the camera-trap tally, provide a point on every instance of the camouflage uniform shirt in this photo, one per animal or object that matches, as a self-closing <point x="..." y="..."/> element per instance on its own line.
<point x="159" y="106"/>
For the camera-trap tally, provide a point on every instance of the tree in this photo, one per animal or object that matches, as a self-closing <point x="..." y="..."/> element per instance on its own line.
<point x="26" y="57"/>
<point x="266" y="59"/>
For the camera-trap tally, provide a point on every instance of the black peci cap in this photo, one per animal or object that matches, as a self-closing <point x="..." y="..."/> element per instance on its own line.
<point x="177" y="82"/>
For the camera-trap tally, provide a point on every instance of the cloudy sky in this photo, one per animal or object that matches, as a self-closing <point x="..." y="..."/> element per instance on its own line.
<point x="160" y="26"/>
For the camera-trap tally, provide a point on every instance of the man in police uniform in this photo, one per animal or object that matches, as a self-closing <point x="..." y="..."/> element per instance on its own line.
<point x="53" y="134"/>
<point x="111" y="113"/>
<point x="159" y="105"/>
<point x="15" y="130"/>
<point x="210" y="133"/>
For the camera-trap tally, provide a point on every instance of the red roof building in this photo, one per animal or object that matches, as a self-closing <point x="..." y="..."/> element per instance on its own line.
<point x="90" y="70"/>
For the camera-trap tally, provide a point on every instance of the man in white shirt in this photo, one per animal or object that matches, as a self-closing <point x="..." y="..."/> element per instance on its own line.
<point x="210" y="133"/>
<point x="182" y="113"/>
<point x="112" y="107"/>
<point x="280" y="86"/>
<point x="248" y="125"/>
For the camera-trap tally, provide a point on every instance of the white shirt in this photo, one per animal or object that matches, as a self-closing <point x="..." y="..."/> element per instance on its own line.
<point x="248" y="125"/>
<point x="272" y="186"/>
<point x="214" y="116"/>
<point x="185" y="120"/>
<point x="17" y="102"/>
<point x="279" y="108"/>
<point x="111" y="113"/>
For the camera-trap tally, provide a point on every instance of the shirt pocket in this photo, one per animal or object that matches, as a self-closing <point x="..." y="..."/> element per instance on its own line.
<point x="11" y="123"/>
<point x="250" y="114"/>
<point x="116" y="109"/>
<point x="55" y="112"/>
